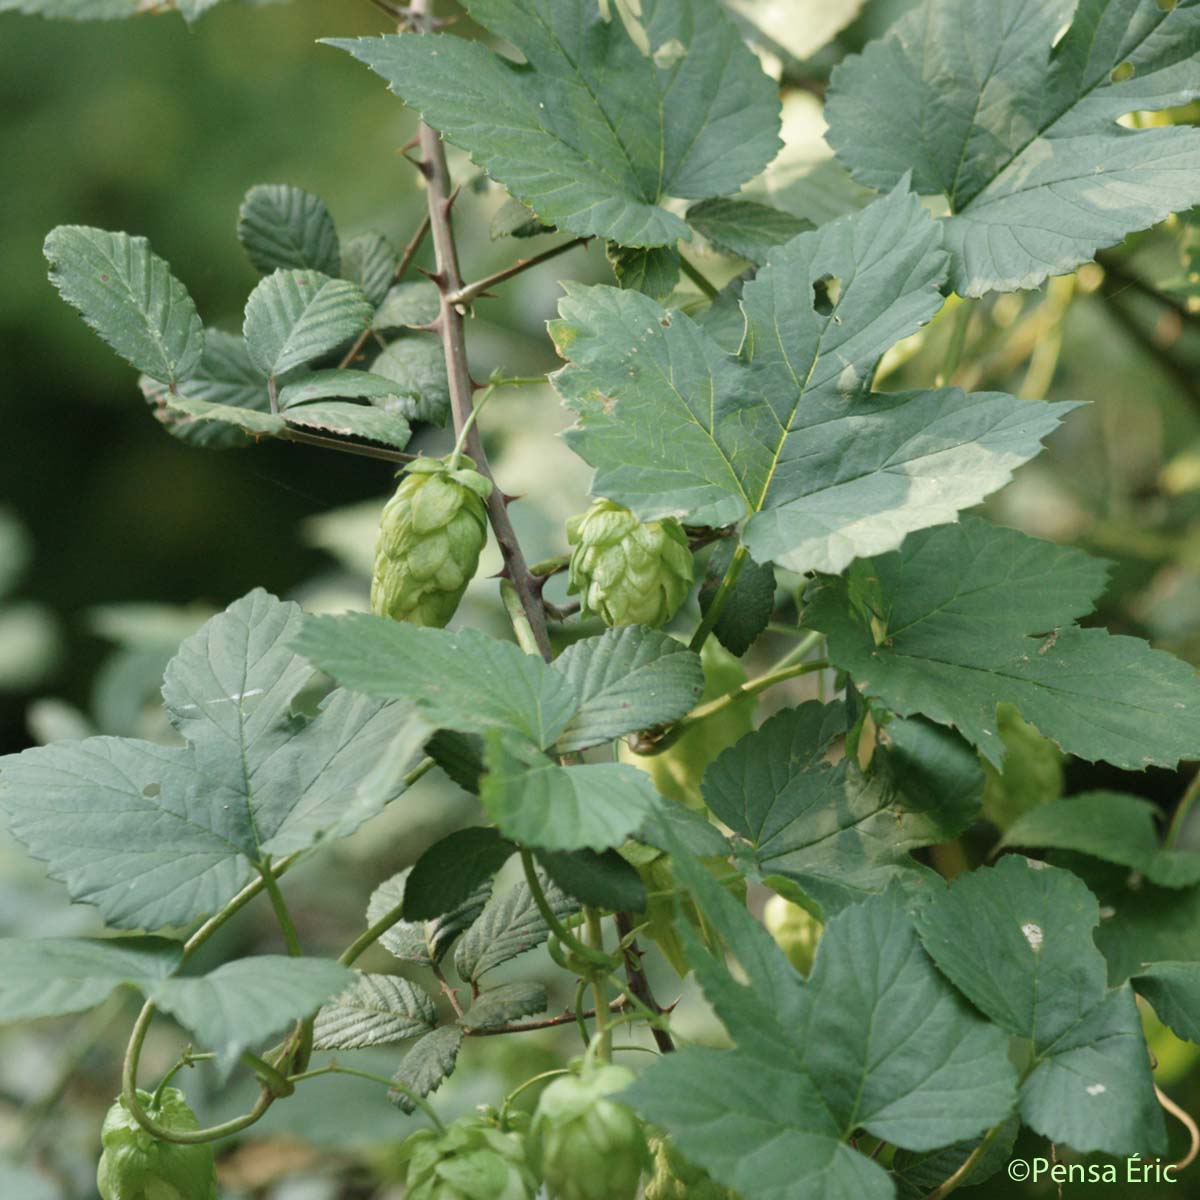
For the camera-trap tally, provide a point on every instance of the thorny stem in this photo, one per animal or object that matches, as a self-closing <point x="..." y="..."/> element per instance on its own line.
<point x="453" y="334"/>
<point x="472" y="291"/>
<point x="406" y="257"/>
<point x="567" y="1018"/>
<point x="447" y="990"/>
<point x="639" y="985"/>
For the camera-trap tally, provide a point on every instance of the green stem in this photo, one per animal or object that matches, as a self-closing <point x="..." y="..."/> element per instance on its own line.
<point x="949" y="1185"/>
<point x="465" y="432"/>
<point x="697" y="278"/>
<point x="392" y="1084"/>
<point x="185" y="1060"/>
<point x="519" y="618"/>
<point x="524" y="1087"/>
<point x="1182" y="810"/>
<point x="599" y="985"/>
<point x="740" y="555"/>
<point x="284" y="917"/>
<point x="958" y="339"/>
<point x="557" y="928"/>
<point x="271" y="1076"/>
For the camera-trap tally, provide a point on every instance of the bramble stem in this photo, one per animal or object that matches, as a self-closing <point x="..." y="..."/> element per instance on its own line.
<point x="453" y="334"/>
<point x="639" y="985"/>
<point x="472" y="291"/>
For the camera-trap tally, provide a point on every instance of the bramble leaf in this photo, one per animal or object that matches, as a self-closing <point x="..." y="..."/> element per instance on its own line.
<point x="1016" y="939"/>
<point x="370" y="261"/>
<point x="973" y="615"/>
<point x="416" y="369"/>
<point x="430" y="1061"/>
<point x="790" y="435"/>
<point x="281" y="226"/>
<point x="423" y="942"/>
<point x="627" y="679"/>
<point x="509" y="925"/>
<point x="157" y="835"/>
<point x="128" y="295"/>
<point x="505" y="1004"/>
<point x="293" y="317"/>
<point x="375" y="1010"/>
<point x="1015" y="122"/>
<point x="589" y="132"/>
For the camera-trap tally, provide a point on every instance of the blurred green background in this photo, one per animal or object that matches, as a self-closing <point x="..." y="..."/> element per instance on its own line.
<point x="116" y="539"/>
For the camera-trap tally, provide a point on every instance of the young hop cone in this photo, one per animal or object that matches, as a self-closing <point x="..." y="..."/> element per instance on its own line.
<point x="676" y="1179"/>
<point x="472" y="1160"/>
<point x="626" y="571"/>
<point x="137" y="1166"/>
<point x="430" y="535"/>
<point x="795" y="930"/>
<point x="583" y="1144"/>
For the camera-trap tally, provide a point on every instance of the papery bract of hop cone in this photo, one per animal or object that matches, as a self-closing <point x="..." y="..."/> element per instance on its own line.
<point x="431" y="533"/>
<point x="135" y="1165"/>
<point x="472" y="1160"/>
<point x="626" y="571"/>
<point x="675" y="1178"/>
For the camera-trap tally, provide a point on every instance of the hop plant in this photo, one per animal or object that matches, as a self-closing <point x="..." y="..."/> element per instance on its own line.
<point x="675" y="1178"/>
<point x="584" y="1145"/>
<point x="430" y="536"/>
<point x="135" y="1165"/>
<point x="795" y="930"/>
<point x="626" y="571"/>
<point x="472" y="1160"/>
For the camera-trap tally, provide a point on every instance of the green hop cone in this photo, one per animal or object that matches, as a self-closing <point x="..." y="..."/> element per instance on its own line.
<point x="472" y="1160"/>
<point x="584" y="1145"/>
<point x="137" y="1166"/>
<point x="626" y="571"/>
<point x="430" y="535"/>
<point x="795" y="930"/>
<point x="675" y="1178"/>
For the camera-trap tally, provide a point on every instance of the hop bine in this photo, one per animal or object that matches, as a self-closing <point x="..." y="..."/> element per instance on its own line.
<point x="431" y="533"/>
<point x="472" y="1160"/>
<point x="584" y="1144"/>
<point x="135" y="1165"/>
<point x="626" y="571"/>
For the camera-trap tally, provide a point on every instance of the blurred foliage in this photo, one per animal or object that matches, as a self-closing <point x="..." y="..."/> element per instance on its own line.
<point x="116" y="540"/>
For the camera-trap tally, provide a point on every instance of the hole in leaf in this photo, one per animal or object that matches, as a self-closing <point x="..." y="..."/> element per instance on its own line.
<point x="826" y="292"/>
<point x="151" y="789"/>
<point x="1123" y="72"/>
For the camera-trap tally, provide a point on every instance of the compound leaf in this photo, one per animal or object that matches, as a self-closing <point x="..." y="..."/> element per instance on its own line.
<point x="281" y="226"/>
<point x="375" y="1010"/>
<point x="508" y="926"/>
<point x="590" y="132"/>
<point x="293" y="317"/>
<point x="972" y="615"/>
<point x="789" y="434"/>
<point x="505" y="1004"/>
<point x="416" y="368"/>
<point x="1015" y="123"/>
<point x="128" y="295"/>
<point x="430" y="1061"/>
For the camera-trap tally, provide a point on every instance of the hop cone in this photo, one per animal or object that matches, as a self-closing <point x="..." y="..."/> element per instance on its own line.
<point x="584" y="1145"/>
<point x="430" y="536"/>
<point x="676" y="1179"/>
<point x="472" y="1160"/>
<point x="795" y="930"/>
<point x="137" y="1166"/>
<point x="626" y="571"/>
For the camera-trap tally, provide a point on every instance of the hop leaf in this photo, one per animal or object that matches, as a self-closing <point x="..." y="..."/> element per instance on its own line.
<point x="472" y="1160"/>
<point x="626" y="571"/>
<point x="137" y="1166"/>
<point x="585" y="1145"/>
<point x="430" y="537"/>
